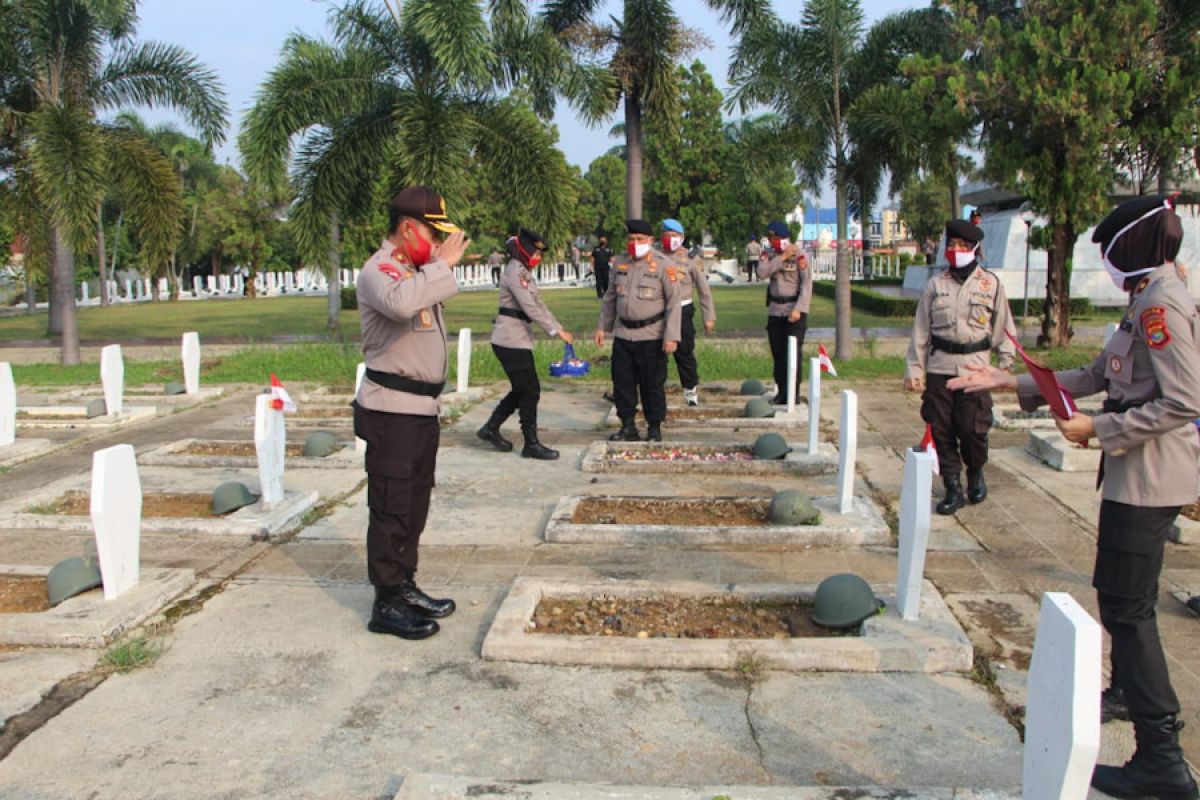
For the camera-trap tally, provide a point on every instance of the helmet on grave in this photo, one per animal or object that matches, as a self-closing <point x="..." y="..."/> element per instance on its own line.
<point x="759" y="407"/>
<point x="230" y="496"/>
<point x="844" y="601"/>
<point x="770" y="446"/>
<point x="752" y="386"/>
<point x="320" y="444"/>
<point x="791" y="507"/>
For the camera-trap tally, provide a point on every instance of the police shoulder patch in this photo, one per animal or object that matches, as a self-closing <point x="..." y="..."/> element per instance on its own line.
<point x="1154" y="323"/>
<point x="392" y="272"/>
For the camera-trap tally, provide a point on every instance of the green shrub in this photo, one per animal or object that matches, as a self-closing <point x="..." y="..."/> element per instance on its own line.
<point x="871" y="302"/>
<point x="349" y="298"/>
<point x="1079" y="306"/>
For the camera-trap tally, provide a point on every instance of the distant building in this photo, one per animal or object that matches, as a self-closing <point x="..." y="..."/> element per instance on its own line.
<point x="819" y="229"/>
<point x="887" y="229"/>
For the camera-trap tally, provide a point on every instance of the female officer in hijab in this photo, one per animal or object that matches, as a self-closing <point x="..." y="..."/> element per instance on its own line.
<point x="1150" y="372"/>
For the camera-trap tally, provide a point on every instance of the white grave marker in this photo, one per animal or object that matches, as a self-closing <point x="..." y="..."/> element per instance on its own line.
<point x="360" y="445"/>
<point x="793" y="365"/>
<point x="814" y="406"/>
<point x="190" y="350"/>
<point x="116" y="508"/>
<point x="847" y="451"/>
<point x="270" y="442"/>
<point x="8" y="405"/>
<point x="464" y="358"/>
<point x="128" y="289"/>
<point x="914" y="531"/>
<point x="1062" y="716"/>
<point x="112" y="376"/>
<point x="83" y="292"/>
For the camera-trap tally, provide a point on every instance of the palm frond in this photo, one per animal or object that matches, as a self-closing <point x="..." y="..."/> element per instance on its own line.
<point x="562" y="15"/>
<point x="68" y="162"/>
<point x="458" y="37"/>
<point x="434" y="137"/>
<point x="150" y="191"/>
<point x="742" y="15"/>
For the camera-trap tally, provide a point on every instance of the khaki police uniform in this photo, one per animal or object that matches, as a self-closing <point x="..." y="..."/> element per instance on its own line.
<point x="753" y="254"/>
<point x="690" y="272"/>
<point x="512" y="341"/>
<point x="641" y="309"/>
<point x="1150" y="373"/>
<point x="957" y="324"/>
<point x="404" y="345"/>
<point x="789" y="288"/>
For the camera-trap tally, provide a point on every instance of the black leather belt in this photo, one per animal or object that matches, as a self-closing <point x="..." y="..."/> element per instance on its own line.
<point x="959" y="349"/>
<point x="634" y="324"/>
<point x="773" y="299"/>
<point x="1120" y="407"/>
<point x="399" y="383"/>
<point x="515" y="313"/>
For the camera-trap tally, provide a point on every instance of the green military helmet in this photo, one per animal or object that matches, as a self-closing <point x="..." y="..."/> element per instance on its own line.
<point x="844" y="601"/>
<point x="72" y="576"/>
<point x="174" y="387"/>
<point x="95" y="408"/>
<point x="320" y="444"/>
<point x="759" y="407"/>
<point x="770" y="446"/>
<point x="752" y="387"/>
<point x="230" y="496"/>
<point x="791" y="507"/>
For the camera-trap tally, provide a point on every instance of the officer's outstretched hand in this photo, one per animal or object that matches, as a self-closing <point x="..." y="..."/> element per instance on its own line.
<point x="914" y="384"/>
<point x="982" y="378"/>
<point x="566" y="337"/>
<point x="670" y="347"/>
<point x="599" y="338"/>
<point x="451" y="251"/>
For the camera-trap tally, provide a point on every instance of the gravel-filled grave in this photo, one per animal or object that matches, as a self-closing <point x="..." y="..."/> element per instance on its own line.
<point x="681" y="511"/>
<point x="180" y="505"/>
<point x="23" y="594"/>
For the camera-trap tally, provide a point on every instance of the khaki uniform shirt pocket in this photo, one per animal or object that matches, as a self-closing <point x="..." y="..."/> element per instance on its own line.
<point x="979" y="316"/>
<point x="1118" y="358"/>
<point x="649" y="291"/>
<point x="424" y="322"/>
<point x="941" y="316"/>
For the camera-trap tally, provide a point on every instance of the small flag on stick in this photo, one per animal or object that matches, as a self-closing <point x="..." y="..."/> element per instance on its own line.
<point x="825" y="361"/>
<point x="280" y="399"/>
<point x="927" y="445"/>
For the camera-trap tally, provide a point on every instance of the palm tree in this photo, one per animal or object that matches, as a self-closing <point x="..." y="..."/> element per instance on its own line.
<point x="640" y="51"/>
<point x="65" y="157"/>
<point x="412" y="95"/>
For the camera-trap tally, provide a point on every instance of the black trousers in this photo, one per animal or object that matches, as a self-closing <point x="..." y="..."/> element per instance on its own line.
<point x="685" y="354"/>
<point x="601" y="281"/>
<point x="495" y="276"/>
<point x="526" y="389"/>
<point x="401" y="459"/>
<point x="778" y="332"/>
<point x="640" y="367"/>
<point x="960" y="423"/>
<point x="1129" y="559"/>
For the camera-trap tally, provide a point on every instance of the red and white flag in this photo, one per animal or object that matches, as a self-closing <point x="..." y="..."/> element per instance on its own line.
<point x="825" y="361"/>
<point x="280" y="399"/>
<point x="927" y="445"/>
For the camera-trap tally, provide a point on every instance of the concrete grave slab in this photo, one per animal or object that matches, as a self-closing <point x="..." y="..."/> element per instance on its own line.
<point x="599" y="458"/>
<point x="74" y="416"/>
<point x="24" y="450"/>
<point x="734" y="420"/>
<point x="28" y="675"/>
<point x="1051" y="448"/>
<point x="150" y="395"/>
<point x="1011" y="417"/>
<point x="862" y="525"/>
<point x="88" y="620"/>
<point x="174" y="454"/>
<point x="887" y="643"/>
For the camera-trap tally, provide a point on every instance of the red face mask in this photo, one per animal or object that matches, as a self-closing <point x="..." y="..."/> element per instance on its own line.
<point x="531" y="259"/>
<point x="638" y="249"/>
<point x="419" y="252"/>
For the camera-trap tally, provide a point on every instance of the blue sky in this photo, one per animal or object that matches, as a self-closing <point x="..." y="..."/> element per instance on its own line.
<point x="240" y="40"/>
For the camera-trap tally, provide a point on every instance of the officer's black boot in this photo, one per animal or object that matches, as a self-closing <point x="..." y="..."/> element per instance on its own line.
<point x="533" y="448"/>
<point x="628" y="433"/>
<point x="954" y="499"/>
<point x="1113" y="705"/>
<point x="1157" y="768"/>
<point x="490" y="433"/>
<point x="654" y="432"/>
<point x="390" y="614"/>
<point x="422" y="603"/>
<point x="976" y="486"/>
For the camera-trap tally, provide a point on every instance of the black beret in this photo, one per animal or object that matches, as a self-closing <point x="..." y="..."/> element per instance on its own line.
<point x="638" y="226"/>
<point x="1149" y="243"/>
<point x="531" y="240"/>
<point x="961" y="229"/>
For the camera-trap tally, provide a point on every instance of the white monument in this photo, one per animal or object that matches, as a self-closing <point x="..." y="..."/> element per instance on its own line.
<point x="847" y="451"/>
<point x="116" y="509"/>
<point x="190" y="350"/>
<point x="914" y="531"/>
<point x="8" y="405"/>
<point x="1062" y="709"/>
<point x="270" y="445"/>
<point x="814" y="406"/>
<point x="464" y="359"/>
<point x="360" y="445"/>
<point x="793" y="364"/>
<point x="112" y="376"/>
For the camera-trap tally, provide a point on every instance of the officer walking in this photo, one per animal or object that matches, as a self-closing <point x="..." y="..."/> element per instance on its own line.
<point x="401" y="289"/>
<point x="1150" y="372"/>
<point x="962" y="316"/>
<point x="690" y="274"/>
<point x="601" y="257"/>
<point x="512" y="342"/>
<point x="641" y="310"/>
<point x="789" y="293"/>
<point x="753" y="254"/>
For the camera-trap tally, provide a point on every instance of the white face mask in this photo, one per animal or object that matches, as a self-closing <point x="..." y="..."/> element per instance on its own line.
<point x="1117" y="276"/>
<point x="673" y="243"/>
<point x="783" y="244"/>
<point x="961" y="258"/>
<point x="641" y="249"/>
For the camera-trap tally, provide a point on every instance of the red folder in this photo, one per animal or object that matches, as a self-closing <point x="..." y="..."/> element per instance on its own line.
<point x="1060" y="401"/>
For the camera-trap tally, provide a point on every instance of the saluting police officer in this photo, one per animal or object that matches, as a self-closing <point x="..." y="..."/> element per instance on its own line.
<point x="641" y="310"/>
<point x="512" y="342"/>
<point x="1150" y="372"/>
<point x="691" y="275"/>
<point x="789" y="293"/>
<point x="961" y="318"/>
<point x="401" y="289"/>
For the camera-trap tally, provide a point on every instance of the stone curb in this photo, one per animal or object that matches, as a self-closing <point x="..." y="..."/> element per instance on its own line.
<point x="798" y="462"/>
<point x="73" y="417"/>
<point x="781" y="419"/>
<point x="172" y="455"/>
<point x="1051" y="448"/>
<point x="935" y="643"/>
<point x="172" y="401"/>
<point x="23" y="450"/>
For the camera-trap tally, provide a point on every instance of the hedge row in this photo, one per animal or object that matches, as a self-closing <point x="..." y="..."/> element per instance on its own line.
<point x="883" y="305"/>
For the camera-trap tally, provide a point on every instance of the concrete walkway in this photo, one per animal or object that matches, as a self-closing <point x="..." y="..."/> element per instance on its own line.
<point x="270" y="686"/>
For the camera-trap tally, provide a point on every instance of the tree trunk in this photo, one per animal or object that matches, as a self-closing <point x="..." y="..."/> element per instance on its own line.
<point x="54" y="321"/>
<point x="1056" y="315"/>
<point x="63" y="269"/>
<point x="334" y="295"/>
<point x="101" y="257"/>
<point x="633" y="157"/>
<point x="955" y="201"/>
<point x="155" y="295"/>
<point x="112" y="271"/>
<point x="844" y="346"/>
<point x="30" y="294"/>
<point x="1164" y="174"/>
